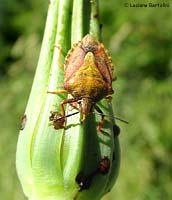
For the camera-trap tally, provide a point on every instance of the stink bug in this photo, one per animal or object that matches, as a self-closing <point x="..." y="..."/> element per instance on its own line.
<point x="88" y="76"/>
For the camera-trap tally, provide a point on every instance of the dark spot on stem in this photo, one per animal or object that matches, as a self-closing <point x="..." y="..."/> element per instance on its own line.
<point x="116" y="130"/>
<point x="23" y="122"/>
<point x="104" y="165"/>
<point x="96" y="15"/>
<point x="83" y="181"/>
<point x="113" y="156"/>
<point x="100" y="26"/>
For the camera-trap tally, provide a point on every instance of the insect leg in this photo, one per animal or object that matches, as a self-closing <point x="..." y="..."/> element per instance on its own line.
<point x="65" y="102"/>
<point x="74" y="105"/>
<point x="99" y="127"/>
<point x="58" y="92"/>
<point x="59" y="56"/>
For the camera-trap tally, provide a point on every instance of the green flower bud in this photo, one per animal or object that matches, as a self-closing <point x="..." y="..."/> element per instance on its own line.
<point x="74" y="162"/>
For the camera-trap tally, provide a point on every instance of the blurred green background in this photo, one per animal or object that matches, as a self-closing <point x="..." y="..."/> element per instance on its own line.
<point x="140" y="42"/>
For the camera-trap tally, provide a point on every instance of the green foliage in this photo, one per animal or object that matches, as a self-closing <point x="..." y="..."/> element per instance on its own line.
<point x="141" y="45"/>
<point x="140" y="41"/>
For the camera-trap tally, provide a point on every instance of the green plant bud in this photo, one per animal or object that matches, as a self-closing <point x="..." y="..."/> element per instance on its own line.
<point x="64" y="160"/>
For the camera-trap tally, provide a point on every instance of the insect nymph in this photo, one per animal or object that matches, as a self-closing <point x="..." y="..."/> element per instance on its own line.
<point x="88" y="76"/>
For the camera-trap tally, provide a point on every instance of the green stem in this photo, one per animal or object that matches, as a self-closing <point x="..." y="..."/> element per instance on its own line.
<point x="77" y="21"/>
<point x="94" y="20"/>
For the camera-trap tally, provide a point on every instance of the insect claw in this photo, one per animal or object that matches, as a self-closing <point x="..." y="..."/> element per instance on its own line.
<point x="82" y="118"/>
<point x="114" y="78"/>
<point x="58" y="47"/>
<point x="99" y="127"/>
<point x="58" y="92"/>
<point x="109" y="98"/>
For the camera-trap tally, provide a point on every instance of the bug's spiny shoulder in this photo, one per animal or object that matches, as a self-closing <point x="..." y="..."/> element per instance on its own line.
<point x="107" y="54"/>
<point x="104" y="54"/>
<point x="71" y="50"/>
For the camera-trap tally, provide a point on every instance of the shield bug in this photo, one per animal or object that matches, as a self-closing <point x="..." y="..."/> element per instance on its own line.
<point x="88" y="76"/>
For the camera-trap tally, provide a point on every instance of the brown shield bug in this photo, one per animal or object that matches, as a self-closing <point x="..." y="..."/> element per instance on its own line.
<point x="88" y="76"/>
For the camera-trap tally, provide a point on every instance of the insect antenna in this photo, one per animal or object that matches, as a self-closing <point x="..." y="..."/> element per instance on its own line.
<point x="112" y="117"/>
<point x="62" y="117"/>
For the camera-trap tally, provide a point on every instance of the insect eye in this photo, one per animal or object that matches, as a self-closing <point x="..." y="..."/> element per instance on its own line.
<point x="89" y="48"/>
<point x="86" y="49"/>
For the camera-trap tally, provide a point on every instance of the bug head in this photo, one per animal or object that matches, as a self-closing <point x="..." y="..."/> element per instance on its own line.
<point x="86" y="106"/>
<point x="89" y="43"/>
